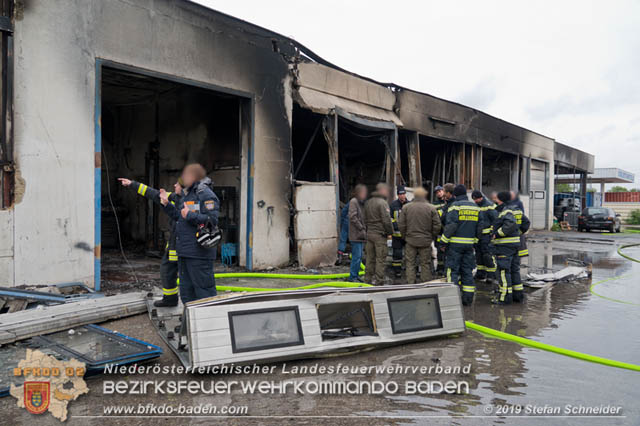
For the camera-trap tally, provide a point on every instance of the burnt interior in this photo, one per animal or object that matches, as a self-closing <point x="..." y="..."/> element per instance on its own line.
<point x="362" y="157"/>
<point x="151" y="128"/>
<point x="497" y="170"/>
<point x="439" y="162"/>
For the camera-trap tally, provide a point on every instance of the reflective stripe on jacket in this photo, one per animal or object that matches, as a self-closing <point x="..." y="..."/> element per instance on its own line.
<point x="463" y="224"/>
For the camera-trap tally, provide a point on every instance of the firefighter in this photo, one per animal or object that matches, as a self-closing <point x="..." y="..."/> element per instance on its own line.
<point x="397" y="241"/>
<point x="377" y="218"/>
<point x="439" y="193"/>
<point x="484" y="258"/>
<point x="419" y="223"/>
<point x="523" y="251"/>
<point x="199" y="207"/>
<point x="169" y="265"/>
<point x="461" y="232"/>
<point x="445" y="199"/>
<point x="506" y="242"/>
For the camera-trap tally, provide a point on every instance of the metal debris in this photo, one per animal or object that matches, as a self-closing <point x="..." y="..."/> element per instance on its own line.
<point x="48" y="319"/>
<point x="570" y="273"/>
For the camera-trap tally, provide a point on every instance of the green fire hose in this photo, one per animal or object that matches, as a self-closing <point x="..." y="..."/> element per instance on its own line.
<point x="619" y="251"/>
<point x="550" y="348"/>
<point x="473" y="326"/>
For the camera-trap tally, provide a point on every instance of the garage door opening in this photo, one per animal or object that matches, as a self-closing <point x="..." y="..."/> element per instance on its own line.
<point x="439" y="162"/>
<point x="151" y="127"/>
<point x="310" y="151"/>
<point x="364" y="157"/>
<point x="499" y="171"/>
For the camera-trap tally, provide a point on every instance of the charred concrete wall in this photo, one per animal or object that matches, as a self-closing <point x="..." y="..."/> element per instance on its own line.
<point x="57" y="45"/>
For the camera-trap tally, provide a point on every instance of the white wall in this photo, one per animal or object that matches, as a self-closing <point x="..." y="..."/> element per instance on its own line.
<point x="56" y="46"/>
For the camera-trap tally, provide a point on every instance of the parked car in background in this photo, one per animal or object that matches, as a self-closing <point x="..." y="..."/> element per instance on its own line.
<point x="599" y="218"/>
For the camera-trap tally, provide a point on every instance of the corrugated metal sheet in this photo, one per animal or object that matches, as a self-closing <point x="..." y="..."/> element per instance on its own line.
<point x="622" y="197"/>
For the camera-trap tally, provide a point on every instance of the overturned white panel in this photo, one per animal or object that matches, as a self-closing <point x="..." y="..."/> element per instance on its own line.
<point x="315" y="223"/>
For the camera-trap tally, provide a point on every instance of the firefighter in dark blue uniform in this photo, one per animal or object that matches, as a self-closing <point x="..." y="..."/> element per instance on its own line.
<point x="484" y="258"/>
<point x="198" y="207"/>
<point x="461" y="232"/>
<point x="444" y="198"/>
<point x="397" y="241"/>
<point x="510" y="224"/>
<point x="523" y="251"/>
<point x="169" y="265"/>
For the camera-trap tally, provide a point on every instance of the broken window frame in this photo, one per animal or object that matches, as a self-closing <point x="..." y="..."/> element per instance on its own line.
<point x="394" y="328"/>
<point x="232" y="331"/>
<point x="6" y="104"/>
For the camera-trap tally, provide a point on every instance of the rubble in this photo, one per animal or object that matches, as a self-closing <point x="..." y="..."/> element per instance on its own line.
<point x="48" y="319"/>
<point x="570" y="273"/>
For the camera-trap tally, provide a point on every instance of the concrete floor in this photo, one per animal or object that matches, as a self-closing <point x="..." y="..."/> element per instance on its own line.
<point x="502" y="372"/>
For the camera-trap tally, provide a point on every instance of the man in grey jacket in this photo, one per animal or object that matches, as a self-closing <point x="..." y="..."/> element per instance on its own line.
<point x="357" y="230"/>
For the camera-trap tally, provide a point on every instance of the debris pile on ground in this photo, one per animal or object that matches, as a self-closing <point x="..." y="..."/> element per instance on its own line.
<point x="17" y="299"/>
<point x="570" y="273"/>
<point x="48" y="319"/>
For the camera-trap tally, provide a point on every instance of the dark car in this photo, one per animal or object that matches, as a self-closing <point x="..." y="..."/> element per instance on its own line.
<point x="599" y="218"/>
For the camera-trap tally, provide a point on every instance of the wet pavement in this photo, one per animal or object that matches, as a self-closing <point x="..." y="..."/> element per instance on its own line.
<point x="505" y="378"/>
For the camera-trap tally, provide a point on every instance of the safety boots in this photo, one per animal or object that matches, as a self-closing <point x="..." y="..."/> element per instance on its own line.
<point x="167" y="301"/>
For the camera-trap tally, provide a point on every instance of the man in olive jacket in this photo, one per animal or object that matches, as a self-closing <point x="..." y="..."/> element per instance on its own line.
<point x="377" y="218"/>
<point x="419" y="223"/>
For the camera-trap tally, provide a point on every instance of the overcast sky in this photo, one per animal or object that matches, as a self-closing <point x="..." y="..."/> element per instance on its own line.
<point x="567" y="69"/>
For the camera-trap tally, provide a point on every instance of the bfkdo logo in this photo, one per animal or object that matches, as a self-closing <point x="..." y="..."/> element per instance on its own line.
<point x="37" y="396"/>
<point x="48" y="384"/>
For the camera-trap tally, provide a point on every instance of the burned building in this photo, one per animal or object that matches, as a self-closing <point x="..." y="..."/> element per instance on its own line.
<point x="137" y="89"/>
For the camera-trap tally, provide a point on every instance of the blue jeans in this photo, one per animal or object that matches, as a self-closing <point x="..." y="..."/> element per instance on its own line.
<point x="356" y="259"/>
<point x="344" y="235"/>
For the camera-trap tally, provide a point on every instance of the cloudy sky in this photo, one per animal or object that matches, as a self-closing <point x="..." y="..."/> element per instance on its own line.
<point x="567" y="69"/>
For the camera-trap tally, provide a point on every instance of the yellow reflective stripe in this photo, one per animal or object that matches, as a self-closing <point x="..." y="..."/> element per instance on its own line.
<point x="463" y="240"/>
<point x="448" y="274"/>
<point x="504" y="212"/>
<point x="487" y="230"/>
<point x="491" y="269"/>
<point x="464" y="207"/>
<point x="482" y="268"/>
<point x="518" y="287"/>
<point x="142" y="189"/>
<point x="501" y="232"/>
<point x="173" y="258"/>
<point x="507" y="240"/>
<point x="503" y="287"/>
<point x="444" y="239"/>
<point x="524" y="252"/>
<point x="173" y="252"/>
<point x="469" y="288"/>
<point x="397" y="234"/>
<point x="170" y="291"/>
